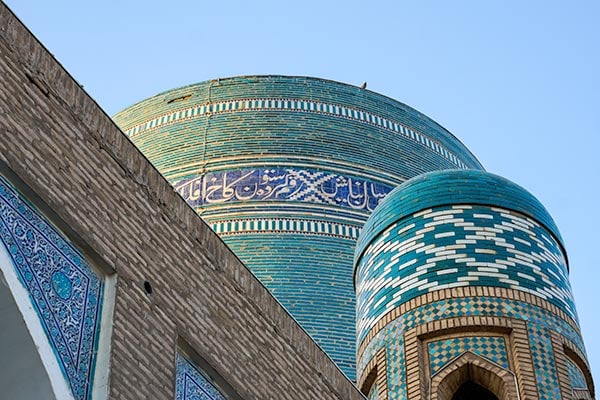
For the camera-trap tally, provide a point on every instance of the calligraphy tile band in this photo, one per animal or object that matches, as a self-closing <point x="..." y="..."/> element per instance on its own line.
<point x="270" y="184"/>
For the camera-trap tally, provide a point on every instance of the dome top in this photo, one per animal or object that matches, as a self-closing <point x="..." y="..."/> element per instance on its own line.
<point x="450" y="187"/>
<point x="345" y="100"/>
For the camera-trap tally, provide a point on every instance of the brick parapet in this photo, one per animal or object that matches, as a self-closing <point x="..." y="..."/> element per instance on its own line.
<point x="57" y="140"/>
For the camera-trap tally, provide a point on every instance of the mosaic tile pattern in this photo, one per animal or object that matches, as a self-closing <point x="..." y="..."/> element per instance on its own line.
<point x="287" y="170"/>
<point x="456" y="187"/>
<point x="464" y="245"/>
<point x="374" y="392"/>
<point x="539" y="322"/>
<point x="63" y="289"/>
<point x="443" y="351"/>
<point x="542" y="354"/>
<point x="576" y="376"/>
<point x="191" y="384"/>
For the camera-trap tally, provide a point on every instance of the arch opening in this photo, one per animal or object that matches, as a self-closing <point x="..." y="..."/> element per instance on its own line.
<point x="472" y="391"/>
<point x="473" y="377"/>
<point x="24" y="377"/>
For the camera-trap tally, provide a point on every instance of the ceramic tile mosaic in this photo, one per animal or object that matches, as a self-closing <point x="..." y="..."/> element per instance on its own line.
<point x="64" y="291"/>
<point x="374" y="392"/>
<point x="192" y="384"/>
<point x="576" y="376"/>
<point x="452" y="246"/>
<point x="287" y="170"/>
<point x="443" y="351"/>
<point x="249" y="105"/>
<point x="269" y="184"/>
<point x="539" y="322"/>
<point x="540" y="342"/>
<point x="288" y="225"/>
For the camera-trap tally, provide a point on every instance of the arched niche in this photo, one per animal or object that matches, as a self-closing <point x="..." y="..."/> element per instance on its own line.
<point x="476" y="370"/>
<point x="54" y="330"/>
<point x="472" y="391"/>
<point x="30" y="371"/>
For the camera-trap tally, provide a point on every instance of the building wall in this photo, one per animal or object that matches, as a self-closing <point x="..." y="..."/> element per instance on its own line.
<point x="73" y="164"/>
<point x="286" y="170"/>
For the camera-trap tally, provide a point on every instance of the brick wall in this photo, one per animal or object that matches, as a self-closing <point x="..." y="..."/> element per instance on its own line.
<point x="108" y="198"/>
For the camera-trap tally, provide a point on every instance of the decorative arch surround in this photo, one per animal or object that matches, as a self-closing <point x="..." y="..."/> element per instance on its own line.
<point x="373" y="382"/>
<point x="470" y="367"/>
<point x="515" y="333"/>
<point x="59" y="295"/>
<point x="574" y="376"/>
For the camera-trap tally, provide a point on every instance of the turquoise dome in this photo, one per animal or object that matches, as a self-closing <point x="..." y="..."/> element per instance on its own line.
<point x="447" y="187"/>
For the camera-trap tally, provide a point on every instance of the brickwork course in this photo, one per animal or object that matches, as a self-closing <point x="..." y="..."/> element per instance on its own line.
<point x="72" y="161"/>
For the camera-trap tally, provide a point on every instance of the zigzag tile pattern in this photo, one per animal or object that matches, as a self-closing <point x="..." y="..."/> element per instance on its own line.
<point x="462" y="245"/>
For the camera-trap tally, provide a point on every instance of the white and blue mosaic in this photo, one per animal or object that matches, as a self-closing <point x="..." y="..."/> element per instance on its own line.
<point x="453" y="246"/>
<point x="288" y="225"/>
<point x="452" y="229"/>
<point x="192" y="384"/>
<point x="63" y="289"/>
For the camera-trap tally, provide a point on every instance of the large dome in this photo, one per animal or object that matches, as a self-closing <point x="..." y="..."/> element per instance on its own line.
<point x="287" y="170"/>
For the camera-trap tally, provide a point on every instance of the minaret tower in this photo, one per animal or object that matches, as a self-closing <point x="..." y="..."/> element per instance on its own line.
<point x="462" y="292"/>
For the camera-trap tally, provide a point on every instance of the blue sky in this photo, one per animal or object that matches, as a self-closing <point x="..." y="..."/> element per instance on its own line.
<point x="518" y="82"/>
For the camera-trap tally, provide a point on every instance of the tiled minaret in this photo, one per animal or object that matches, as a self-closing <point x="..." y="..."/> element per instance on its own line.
<point x="286" y="170"/>
<point x="462" y="292"/>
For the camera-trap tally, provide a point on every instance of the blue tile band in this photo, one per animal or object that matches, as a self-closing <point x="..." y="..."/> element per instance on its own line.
<point x="282" y="184"/>
<point x="295" y="105"/>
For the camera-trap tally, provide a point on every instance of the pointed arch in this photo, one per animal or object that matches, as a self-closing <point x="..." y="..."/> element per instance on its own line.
<point x="56" y="297"/>
<point x="471" y="367"/>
